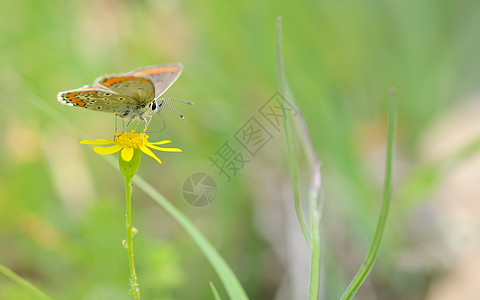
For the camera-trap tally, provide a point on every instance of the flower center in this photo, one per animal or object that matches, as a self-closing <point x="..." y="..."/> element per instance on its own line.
<point x="131" y="139"/>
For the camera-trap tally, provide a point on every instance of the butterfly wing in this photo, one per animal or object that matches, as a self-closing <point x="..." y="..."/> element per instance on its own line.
<point x="162" y="76"/>
<point x="139" y="88"/>
<point x="97" y="98"/>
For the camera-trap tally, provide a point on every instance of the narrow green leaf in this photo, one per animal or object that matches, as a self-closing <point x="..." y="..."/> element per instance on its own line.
<point x="289" y="136"/>
<point x="27" y="285"/>
<point x="214" y="291"/>
<point x="312" y="238"/>
<point x="371" y="256"/>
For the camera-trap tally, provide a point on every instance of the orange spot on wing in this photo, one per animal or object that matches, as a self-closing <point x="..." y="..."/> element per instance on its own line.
<point x="142" y="72"/>
<point x="74" y="94"/>
<point x="157" y="71"/>
<point x="76" y="100"/>
<point x="81" y="104"/>
<point x="114" y="80"/>
<point x="150" y="71"/>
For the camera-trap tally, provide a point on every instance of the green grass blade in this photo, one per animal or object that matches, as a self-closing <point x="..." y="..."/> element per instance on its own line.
<point x="27" y="285"/>
<point x="313" y="239"/>
<point x="315" y="217"/>
<point x="371" y="256"/>
<point x="216" y="296"/>
<point x="289" y="136"/>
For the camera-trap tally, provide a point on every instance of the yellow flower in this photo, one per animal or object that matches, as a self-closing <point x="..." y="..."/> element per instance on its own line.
<point x="127" y="142"/>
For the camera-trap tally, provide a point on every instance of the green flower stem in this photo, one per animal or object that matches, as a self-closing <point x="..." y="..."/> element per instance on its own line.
<point x="128" y="170"/>
<point x="231" y="283"/>
<point x="371" y="256"/>
<point x="27" y="285"/>
<point x="135" y="289"/>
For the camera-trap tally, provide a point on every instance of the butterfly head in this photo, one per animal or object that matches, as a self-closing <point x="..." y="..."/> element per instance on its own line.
<point x="155" y="107"/>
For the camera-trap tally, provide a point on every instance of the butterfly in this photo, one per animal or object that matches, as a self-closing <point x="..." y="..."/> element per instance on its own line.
<point x="132" y="95"/>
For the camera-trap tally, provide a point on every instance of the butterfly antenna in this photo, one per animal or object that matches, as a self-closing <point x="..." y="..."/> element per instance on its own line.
<point x="173" y="99"/>
<point x="181" y="116"/>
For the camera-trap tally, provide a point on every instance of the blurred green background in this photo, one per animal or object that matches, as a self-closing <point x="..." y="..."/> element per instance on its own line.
<point x="62" y="206"/>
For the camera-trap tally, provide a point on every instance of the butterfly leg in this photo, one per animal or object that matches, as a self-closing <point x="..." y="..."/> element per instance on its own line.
<point x="146" y="122"/>
<point x="115" y="132"/>
<point x="138" y="123"/>
<point x="115" y="124"/>
<point x="116" y="127"/>
<point x="128" y="124"/>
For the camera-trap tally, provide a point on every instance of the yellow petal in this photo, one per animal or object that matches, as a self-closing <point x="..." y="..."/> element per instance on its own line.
<point x="127" y="154"/>
<point x="150" y="153"/>
<point x="107" y="150"/>
<point x="164" y="149"/>
<point x="96" y="142"/>
<point x="161" y="142"/>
